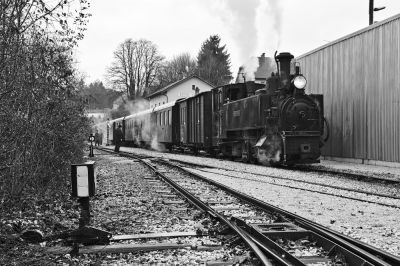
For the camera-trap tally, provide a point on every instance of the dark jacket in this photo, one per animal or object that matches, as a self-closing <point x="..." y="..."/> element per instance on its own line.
<point x="118" y="135"/>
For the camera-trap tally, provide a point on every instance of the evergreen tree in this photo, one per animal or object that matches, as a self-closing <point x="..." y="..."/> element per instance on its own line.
<point x="213" y="61"/>
<point x="99" y="97"/>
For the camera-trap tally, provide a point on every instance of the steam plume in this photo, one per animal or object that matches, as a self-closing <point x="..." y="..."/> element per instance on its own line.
<point x="255" y="25"/>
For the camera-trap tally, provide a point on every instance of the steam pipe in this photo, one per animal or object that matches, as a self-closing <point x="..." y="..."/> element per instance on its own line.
<point x="276" y="61"/>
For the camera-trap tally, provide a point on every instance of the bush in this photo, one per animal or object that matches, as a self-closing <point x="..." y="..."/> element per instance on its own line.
<point x="42" y="120"/>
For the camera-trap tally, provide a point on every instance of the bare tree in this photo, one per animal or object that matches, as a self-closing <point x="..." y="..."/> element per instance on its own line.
<point x="180" y="66"/>
<point x="135" y="66"/>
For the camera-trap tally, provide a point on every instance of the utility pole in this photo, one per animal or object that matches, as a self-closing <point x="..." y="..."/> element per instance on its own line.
<point x="372" y="9"/>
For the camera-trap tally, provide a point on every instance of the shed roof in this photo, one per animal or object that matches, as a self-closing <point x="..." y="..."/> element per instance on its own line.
<point x="370" y="27"/>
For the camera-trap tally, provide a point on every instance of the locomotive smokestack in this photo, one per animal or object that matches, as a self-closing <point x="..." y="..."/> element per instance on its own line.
<point x="284" y="63"/>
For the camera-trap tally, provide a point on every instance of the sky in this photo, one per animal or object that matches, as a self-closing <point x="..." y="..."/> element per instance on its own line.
<point x="248" y="28"/>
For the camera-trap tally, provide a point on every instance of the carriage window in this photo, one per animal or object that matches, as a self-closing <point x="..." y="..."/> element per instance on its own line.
<point x="182" y="116"/>
<point x="169" y="117"/>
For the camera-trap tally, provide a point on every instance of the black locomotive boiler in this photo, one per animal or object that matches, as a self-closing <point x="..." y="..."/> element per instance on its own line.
<point x="273" y="124"/>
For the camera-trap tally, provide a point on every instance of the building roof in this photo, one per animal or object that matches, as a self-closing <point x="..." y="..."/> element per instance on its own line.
<point x="176" y="83"/>
<point x="351" y="35"/>
<point x="264" y="69"/>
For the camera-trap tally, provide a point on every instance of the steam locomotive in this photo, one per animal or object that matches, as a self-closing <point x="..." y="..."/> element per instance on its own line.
<point x="272" y="123"/>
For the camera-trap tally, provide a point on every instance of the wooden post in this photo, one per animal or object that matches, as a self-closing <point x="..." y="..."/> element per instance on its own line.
<point x="84" y="219"/>
<point x="371" y="12"/>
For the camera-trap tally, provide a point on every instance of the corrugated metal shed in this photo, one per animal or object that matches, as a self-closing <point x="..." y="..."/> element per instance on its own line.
<point x="359" y="76"/>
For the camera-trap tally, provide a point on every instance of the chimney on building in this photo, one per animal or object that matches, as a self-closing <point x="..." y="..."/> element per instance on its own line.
<point x="240" y="78"/>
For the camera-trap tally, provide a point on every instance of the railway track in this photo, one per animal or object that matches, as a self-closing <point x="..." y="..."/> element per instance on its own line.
<point x="364" y="196"/>
<point x="306" y="169"/>
<point x="276" y="236"/>
<point x="311" y="169"/>
<point x="380" y="198"/>
<point x="143" y="213"/>
<point x="349" y="192"/>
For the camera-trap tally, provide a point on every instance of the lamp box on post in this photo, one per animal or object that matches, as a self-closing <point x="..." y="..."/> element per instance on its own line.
<point x="83" y="186"/>
<point x="83" y="179"/>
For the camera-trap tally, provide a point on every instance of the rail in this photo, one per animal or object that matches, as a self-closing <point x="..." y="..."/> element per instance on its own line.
<point x="260" y="241"/>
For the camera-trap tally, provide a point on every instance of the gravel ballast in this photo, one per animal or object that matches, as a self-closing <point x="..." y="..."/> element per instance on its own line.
<point x="370" y="223"/>
<point x="129" y="201"/>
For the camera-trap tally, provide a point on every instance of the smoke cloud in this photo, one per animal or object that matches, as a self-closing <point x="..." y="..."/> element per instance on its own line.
<point x="270" y="151"/>
<point x="255" y="26"/>
<point x="136" y="106"/>
<point x="250" y="67"/>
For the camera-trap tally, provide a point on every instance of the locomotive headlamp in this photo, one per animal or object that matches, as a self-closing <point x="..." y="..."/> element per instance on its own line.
<point x="300" y="82"/>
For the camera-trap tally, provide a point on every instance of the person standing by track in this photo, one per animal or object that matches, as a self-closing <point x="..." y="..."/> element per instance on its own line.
<point x="97" y="138"/>
<point x="118" y="136"/>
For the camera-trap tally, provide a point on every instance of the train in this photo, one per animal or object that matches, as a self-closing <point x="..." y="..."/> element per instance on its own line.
<point x="275" y="123"/>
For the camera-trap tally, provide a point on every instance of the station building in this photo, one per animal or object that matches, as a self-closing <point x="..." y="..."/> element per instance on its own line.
<point x="183" y="88"/>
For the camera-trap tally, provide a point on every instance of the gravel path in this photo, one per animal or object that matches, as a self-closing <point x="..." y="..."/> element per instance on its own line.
<point x="373" y="170"/>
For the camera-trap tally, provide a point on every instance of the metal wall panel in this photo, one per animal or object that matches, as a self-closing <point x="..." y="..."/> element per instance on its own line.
<point x="359" y="76"/>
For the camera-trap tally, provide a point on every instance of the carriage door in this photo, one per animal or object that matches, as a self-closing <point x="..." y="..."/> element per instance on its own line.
<point x="197" y="119"/>
<point x="183" y="122"/>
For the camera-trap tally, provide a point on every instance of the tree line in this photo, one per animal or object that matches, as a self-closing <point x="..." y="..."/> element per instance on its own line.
<point x="42" y="117"/>
<point x="138" y="68"/>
